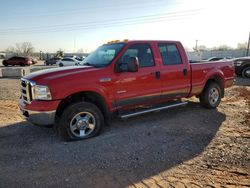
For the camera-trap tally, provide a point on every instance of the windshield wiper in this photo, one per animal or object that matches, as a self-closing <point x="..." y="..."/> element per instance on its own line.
<point x="94" y="65"/>
<point x="87" y="63"/>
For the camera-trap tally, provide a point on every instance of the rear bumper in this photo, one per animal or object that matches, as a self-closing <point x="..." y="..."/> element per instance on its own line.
<point x="41" y="118"/>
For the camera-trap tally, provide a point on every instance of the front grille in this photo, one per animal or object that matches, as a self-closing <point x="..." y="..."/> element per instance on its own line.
<point x="26" y="90"/>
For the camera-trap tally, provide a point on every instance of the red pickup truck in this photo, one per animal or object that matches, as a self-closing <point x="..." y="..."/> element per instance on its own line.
<point x="125" y="78"/>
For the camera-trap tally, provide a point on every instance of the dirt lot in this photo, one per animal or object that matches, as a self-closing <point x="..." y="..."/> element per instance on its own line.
<point x="183" y="147"/>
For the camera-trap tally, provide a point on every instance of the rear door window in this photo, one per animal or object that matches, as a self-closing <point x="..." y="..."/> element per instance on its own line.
<point x="170" y="54"/>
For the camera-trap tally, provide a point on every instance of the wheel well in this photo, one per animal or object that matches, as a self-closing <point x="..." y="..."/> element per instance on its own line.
<point x="217" y="79"/>
<point x="245" y="66"/>
<point x="91" y="97"/>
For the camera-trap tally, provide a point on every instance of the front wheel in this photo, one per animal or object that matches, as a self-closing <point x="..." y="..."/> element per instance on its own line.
<point x="246" y="72"/>
<point x="211" y="96"/>
<point x="80" y="121"/>
<point x="5" y="64"/>
<point x="60" y="65"/>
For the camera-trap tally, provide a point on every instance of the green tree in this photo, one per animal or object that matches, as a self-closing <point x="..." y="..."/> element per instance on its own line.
<point x="222" y="47"/>
<point x="60" y="53"/>
<point x="202" y="48"/>
<point x="242" y="46"/>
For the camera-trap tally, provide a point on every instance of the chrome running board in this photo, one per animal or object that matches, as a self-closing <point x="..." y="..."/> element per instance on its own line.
<point x="123" y="116"/>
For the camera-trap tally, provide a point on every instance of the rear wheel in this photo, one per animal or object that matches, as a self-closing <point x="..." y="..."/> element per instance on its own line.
<point x="246" y="72"/>
<point x="80" y="121"/>
<point x="211" y="96"/>
<point x="60" y="65"/>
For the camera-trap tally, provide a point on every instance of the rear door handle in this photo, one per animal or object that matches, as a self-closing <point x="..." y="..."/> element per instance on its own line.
<point x="157" y="75"/>
<point x="185" y="72"/>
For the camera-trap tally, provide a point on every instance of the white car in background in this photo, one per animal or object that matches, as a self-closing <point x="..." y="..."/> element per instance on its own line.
<point x="68" y="62"/>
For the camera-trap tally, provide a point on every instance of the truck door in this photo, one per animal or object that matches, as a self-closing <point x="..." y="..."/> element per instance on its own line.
<point x="175" y="71"/>
<point x="135" y="88"/>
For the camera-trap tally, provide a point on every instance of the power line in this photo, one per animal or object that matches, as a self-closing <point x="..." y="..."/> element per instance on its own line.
<point x="97" y="24"/>
<point x="178" y="13"/>
<point x="89" y="9"/>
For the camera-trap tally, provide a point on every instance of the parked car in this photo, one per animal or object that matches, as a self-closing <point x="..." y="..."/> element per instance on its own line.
<point x="214" y="59"/>
<point x="2" y="55"/>
<point x="17" y="60"/>
<point x="68" y="62"/>
<point x="70" y="56"/>
<point x="242" y="66"/>
<point x="34" y="61"/>
<point x="81" y="58"/>
<point x="52" y="61"/>
<point x="122" y="79"/>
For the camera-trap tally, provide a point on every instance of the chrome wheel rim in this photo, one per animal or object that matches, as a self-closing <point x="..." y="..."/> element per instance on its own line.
<point x="82" y="124"/>
<point x="213" y="96"/>
<point x="247" y="73"/>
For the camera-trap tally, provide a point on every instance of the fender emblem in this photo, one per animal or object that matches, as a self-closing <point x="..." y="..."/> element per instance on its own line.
<point x="105" y="79"/>
<point x="120" y="92"/>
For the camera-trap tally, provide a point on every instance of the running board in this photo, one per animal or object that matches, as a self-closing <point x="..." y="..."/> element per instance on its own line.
<point x="152" y="110"/>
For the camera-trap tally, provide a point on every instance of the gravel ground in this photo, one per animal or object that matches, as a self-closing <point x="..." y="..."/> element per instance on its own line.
<point x="182" y="147"/>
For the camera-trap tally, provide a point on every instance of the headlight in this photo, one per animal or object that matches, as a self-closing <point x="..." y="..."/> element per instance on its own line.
<point x="238" y="63"/>
<point x="41" y="92"/>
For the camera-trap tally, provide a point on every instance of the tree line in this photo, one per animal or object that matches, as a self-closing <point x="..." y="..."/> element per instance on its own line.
<point x="224" y="47"/>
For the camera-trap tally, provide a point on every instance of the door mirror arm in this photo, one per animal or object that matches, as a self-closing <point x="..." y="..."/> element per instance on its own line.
<point x="131" y="66"/>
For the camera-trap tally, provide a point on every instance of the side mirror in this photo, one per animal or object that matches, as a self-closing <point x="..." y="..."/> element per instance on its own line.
<point x="132" y="65"/>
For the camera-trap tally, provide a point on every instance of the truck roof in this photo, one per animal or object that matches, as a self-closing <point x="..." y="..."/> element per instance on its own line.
<point x="140" y="41"/>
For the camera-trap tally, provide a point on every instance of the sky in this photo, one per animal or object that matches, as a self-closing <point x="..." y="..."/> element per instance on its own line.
<point x="72" y="25"/>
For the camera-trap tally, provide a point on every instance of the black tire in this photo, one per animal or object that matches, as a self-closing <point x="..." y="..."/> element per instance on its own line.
<point x="70" y="115"/>
<point x="60" y="65"/>
<point x="211" y="95"/>
<point x="5" y="63"/>
<point x="246" y="72"/>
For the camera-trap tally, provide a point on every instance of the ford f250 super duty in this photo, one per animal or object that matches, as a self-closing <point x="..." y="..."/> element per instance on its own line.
<point x="120" y="78"/>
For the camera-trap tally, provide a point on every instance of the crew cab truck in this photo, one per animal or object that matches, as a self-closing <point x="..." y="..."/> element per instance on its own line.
<point x="120" y="78"/>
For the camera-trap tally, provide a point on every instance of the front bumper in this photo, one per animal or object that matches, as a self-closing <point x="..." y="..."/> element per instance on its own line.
<point x="42" y="118"/>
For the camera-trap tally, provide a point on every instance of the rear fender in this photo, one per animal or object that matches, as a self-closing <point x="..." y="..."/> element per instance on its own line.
<point x="215" y="75"/>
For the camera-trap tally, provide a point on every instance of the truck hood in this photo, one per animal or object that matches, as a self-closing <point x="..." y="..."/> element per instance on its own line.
<point x="57" y="73"/>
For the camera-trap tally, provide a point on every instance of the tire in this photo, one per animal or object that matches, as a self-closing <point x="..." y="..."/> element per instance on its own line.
<point x="60" y="65"/>
<point x="5" y="64"/>
<point x="80" y="121"/>
<point x="211" y="95"/>
<point x="246" y="72"/>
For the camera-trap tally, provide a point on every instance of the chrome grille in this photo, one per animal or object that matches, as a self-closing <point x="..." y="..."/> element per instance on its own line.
<point x="26" y="90"/>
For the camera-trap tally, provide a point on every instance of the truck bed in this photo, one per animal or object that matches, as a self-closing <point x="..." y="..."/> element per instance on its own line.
<point x="201" y="71"/>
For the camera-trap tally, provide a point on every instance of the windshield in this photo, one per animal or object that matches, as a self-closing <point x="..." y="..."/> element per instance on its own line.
<point x="103" y="55"/>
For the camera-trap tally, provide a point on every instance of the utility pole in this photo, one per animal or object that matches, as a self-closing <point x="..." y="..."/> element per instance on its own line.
<point x="196" y="45"/>
<point x="74" y="45"/>
<point x="248" y="45"/>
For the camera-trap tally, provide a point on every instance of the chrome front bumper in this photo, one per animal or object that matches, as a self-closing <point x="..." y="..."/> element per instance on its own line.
<point x="42" y="118"/>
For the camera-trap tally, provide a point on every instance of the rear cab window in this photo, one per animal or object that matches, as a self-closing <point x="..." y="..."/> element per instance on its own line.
<point x="170" y="54"/>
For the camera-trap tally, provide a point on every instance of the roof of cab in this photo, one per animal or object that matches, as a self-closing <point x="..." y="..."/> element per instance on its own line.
<point x="141" y="41"/>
